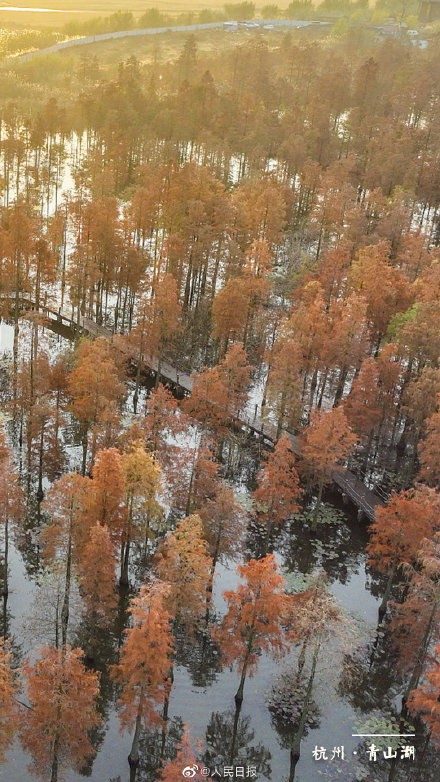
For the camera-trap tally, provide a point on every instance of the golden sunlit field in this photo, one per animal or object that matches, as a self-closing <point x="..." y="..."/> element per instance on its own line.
<point x="56" y="13"/>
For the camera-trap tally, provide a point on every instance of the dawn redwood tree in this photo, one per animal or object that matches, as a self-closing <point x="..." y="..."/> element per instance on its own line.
<point x="142" y="476"/>
<point x="255" y="621"/>
<point x="144" y="664"/>
<point x="284" y="383"/>
<point x="278" y="492"/>
<point x="384" y="300"/>
<point x="398" y="531"/>
<point x="208" y="401"/>
<point x="157" y="323"/>
<point x="315" y="614"/>
<point x="185" y="757"/>
<point x="165" y="317"/>
<point x="420" y="401"/>
<point x="203" y="478"/>
<point x="361" y="406"/>
<point x="59" y="690"/>
<point x="94" y="385"/>
<point x="316" y="617"/>
<point x="424" y="702"/>
<point x="261" y="211"/>
<point x="415" y="623"/>
<point x="12" y="506"/>
<point x="236" y="373"/>
<point x="19" y="233"/>
<point x="96" y="572"/>
<point x="229" y="310"/>
<point x="223" y="519"/>
<point x="346" y="343"/>
<point x="326" y="442"/>
<point x="218" y="394"/>
<point x="183" y="560"/>
<point x="429" y="449"/>
<point x="105" y="499"/>
<point x="307" y="328"/>
<point x="67" y="531"/>
<point x="256" y="277"/>
<point x="162" y="422"/>
<point x="237" y="306"/>
<point x="9" y="715"/>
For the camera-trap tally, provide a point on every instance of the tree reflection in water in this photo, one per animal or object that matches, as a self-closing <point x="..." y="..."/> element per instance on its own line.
<point x="157" y="748"/>
<point x="228" y="729"/>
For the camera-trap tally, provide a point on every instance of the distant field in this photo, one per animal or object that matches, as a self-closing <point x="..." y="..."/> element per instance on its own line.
<point x="144" y="48"/>
<point x="114" y="51"/>
<point x="68" y="10"/>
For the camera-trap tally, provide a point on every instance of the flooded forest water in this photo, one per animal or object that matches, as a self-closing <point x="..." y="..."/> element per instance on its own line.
<point x="353" y="690"/>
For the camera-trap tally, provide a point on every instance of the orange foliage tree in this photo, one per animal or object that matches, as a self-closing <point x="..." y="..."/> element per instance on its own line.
<point x="384" y="300"/>
<point x="361" y="405"/>
<point x="11" y="501"/>
<point x="142" y="474"/>
<point x="183" y="560"/>
<point x="398" y="530"/>
<point x="223" y="519"/>
<point x="284" y="383"/>
<point x="9" y="716"/>
<point x="237" y="305"/>
<point x="424" y="702"/>
<point x="59" y="689"/>
<point x="145" y="662"/>
<point x="96" y="570"/>
<point x="218" y="394"/>
<point x="105" y="500"/>
<point x="415" y="623"/>
<point x="157" y="321"/>
<point x="94" y="386"/>
<point x="203" y="479"/>
<point x="327" y="441"/>
<point x="429" y="449"/>
<point x="185" y="758"/>
<point x="278" y="489"/>
<point x="162" y="422"/>
<point x="67" y="532"/>
<point x="255" y="620"/>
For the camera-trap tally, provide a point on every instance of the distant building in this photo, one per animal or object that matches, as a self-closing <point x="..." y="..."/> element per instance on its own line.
<point x="429" y="10"/>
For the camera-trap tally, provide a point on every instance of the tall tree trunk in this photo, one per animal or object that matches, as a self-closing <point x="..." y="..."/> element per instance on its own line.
<point x="295" y="751"/>
<point x="5" y="575"/>
<point x="133" y="758"/>
<point x="84" y="451"/>
<point x="66" y="601"/>
<point x="54" y="768"/>
<point x="239" y="694"/>
<point x="234" y="733"/>
<point x="387" y="594"/>
<point x="123" y="580"/>
<point x="40" y="492"/>
<point x="166" y="706"/>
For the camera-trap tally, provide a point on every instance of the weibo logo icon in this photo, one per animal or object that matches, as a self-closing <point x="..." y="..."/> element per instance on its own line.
<point x="190" y="771"/>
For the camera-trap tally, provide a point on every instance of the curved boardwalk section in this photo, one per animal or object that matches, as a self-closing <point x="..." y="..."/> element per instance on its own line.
<point x="349" y="484"/>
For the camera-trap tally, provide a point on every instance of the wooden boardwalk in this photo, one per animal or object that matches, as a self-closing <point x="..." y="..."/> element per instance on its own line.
<point x="349" y="484"/>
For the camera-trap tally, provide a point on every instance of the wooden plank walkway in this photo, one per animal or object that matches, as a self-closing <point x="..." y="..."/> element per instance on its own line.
<point x="349" y="484"/>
